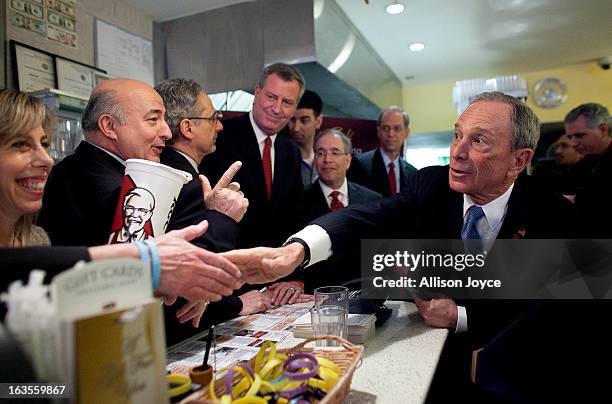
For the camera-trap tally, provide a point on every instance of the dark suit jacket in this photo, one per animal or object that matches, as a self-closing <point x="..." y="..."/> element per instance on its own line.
<point x="368" y="169"/>
<point x="265" y="222"/>
<point x="81" y="197"/>
<point x="428" y="208"/>
<point x="327" y="273"/>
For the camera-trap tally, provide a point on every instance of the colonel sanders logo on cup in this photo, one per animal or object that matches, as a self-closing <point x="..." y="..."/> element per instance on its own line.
<point x="138" y="206"/>
<point x="146" y="201"/>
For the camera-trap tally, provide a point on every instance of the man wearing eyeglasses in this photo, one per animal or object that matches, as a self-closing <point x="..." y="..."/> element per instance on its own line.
<point x="194" y="124"/>
<point x="331" y="192"/>
<point x="383" y="169"/>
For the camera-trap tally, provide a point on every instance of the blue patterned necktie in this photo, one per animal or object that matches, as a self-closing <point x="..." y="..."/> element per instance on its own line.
<point x="470" y="231"/>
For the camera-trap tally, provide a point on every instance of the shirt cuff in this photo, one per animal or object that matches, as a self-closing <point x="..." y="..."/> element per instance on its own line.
<point x="318" y="241"/>
<point x="462" y="324"/>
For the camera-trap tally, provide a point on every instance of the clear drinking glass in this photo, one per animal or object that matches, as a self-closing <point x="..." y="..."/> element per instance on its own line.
<point x="329" y="315"/>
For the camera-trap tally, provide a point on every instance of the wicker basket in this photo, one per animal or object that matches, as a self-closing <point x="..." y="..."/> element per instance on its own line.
<point x="347" y="357"/>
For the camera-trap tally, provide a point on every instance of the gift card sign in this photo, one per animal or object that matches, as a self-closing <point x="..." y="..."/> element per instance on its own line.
<point x="95" y="287"/>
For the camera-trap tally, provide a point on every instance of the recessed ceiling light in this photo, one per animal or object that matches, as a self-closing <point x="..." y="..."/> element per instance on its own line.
<point x="416" y="47"/>
<point x="395" y="8"/>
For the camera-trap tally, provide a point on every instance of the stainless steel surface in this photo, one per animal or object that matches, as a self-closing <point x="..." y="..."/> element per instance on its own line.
<point x="226" y="49"/>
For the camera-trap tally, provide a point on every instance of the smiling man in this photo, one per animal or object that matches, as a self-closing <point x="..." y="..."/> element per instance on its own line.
<point x="270" y="176"/>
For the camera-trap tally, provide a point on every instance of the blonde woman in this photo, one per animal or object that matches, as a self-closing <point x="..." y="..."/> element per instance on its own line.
<point x="24" y="167"/>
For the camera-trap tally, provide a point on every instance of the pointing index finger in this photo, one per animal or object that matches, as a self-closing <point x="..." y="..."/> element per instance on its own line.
<point x="227" y="177"/>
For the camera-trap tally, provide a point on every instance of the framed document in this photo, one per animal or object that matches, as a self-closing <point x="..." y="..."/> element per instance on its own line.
<point x="75" y="78"/>
<point x="34" y="68"/>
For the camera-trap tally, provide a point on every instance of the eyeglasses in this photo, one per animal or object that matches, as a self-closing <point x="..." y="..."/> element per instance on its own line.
<point x="387" y="128"/>
<point x="334" y="153"/>
<point x="217" y="115"/>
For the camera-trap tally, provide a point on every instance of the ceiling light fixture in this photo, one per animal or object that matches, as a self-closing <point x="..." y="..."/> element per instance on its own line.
<point x="416" y="47"/>
<point x="394" y="8"/>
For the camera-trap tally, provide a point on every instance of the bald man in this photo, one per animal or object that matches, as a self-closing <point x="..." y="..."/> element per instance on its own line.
<point x="123" y="119"/>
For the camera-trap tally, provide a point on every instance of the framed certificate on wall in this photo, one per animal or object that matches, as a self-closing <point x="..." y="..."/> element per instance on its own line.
<point x="34" y="68"/>
<point x="75" y="78"/>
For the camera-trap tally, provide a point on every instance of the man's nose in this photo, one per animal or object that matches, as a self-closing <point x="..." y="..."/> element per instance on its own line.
<point x="276" y="107"/>
<point x="166" y="134"/>
<point x="459" y="149"/>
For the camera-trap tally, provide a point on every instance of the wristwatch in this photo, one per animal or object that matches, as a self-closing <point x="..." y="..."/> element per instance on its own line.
<point x="306" y="250"/>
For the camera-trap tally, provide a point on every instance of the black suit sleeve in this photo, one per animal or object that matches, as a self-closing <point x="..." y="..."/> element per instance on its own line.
<point x="18" y="262"/>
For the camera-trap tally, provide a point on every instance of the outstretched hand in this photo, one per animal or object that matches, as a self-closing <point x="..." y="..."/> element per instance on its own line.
<point x="226" y="196"/>
<point x="192" y="272"/>
<point x="263" y="264"/>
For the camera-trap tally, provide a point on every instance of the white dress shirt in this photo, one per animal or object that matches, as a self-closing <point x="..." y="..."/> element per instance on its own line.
<point x="396" y="168"/>
<point x="343" y="193"/>
<point x="261" y="138"/>
<point x="488" y="226"/>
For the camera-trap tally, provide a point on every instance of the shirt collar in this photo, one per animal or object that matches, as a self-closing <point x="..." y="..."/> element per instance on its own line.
<point x="189" y="159"/>
<point x="109" y="153"/>
<point x="387" y="160"/>
<point x="495" y="210"/>
<point x="328" y="190"/>
<point x="261" y="136"/>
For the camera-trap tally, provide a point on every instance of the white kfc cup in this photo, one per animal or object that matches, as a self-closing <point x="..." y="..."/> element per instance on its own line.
<point x="146" y="201"/>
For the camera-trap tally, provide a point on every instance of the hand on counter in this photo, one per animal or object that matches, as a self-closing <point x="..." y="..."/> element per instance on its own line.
<point x="254" y="302"/>
<point x="441" y="313"/>
<point x="288" y="293"/>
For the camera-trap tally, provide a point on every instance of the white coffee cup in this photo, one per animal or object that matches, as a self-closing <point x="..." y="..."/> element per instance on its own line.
<point x="146" y="201"/>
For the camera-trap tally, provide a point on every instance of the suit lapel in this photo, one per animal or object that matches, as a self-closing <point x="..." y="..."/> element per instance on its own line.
<point x="379" y="173"/>
<point x="516" y="218"/>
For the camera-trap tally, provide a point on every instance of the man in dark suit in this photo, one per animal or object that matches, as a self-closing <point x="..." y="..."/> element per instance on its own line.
<point x="479" y="196"/>
<point x="195" y="125"/>
<point x="123" y="119"/>
<point x="329" y="193"/>
<point x="270" y="176"/>
<point x="383" y="169"/>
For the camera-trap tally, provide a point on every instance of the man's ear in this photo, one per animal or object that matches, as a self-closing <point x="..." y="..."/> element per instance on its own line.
<point x="520" y="160"/>
<point x="186" y="129"/>
<point x="106" y="125"/>
<point x="318" y="122"/>
<point x="350" y="159"/>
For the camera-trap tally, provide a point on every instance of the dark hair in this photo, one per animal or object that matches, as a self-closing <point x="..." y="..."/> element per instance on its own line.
<point x="594" y="114"/>
<point x="311" y="100"/>
<point x="285" y="72"/>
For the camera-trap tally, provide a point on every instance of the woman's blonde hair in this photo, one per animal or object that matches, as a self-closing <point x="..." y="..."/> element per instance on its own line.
<point x="19" y="114"/>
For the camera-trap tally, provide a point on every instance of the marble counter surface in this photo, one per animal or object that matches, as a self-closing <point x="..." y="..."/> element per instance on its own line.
<point x="399" y="361"/>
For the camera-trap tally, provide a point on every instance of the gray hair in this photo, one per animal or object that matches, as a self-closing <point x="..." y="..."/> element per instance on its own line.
<point x="395" y="108"/>
<point x="525" y="123"/>
<point x="348" y="145"/>
<point x="285" y="72"/>
<point x="594" y="115"/>
<point x="180" y="98"/>
<point x="100" y="103"/>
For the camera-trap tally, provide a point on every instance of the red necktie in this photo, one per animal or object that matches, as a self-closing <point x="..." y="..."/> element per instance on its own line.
<point x="267" y="165"/>
<point x="335" y="202"/>
<point x="392" y="178"/>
